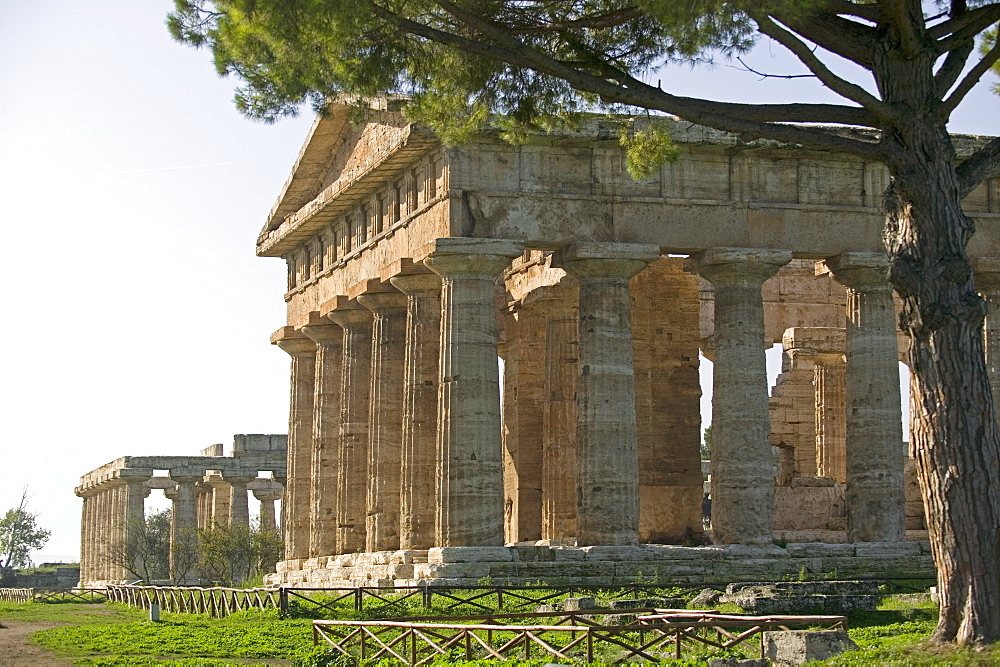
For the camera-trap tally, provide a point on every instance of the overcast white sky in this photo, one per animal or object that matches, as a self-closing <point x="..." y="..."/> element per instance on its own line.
<point x="135" y="314"/>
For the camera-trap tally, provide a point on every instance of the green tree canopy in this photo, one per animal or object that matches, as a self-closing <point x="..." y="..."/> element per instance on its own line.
<point x="20" y="535"/>
<point x="529" y="64"/>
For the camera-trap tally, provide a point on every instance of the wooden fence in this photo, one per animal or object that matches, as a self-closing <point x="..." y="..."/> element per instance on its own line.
<point x="651" y="637"/>
<point x="15" y="594"/>
<point x="213" y="601"/>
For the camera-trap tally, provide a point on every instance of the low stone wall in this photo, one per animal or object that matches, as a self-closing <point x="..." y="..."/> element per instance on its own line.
<point x="650" y="563"/>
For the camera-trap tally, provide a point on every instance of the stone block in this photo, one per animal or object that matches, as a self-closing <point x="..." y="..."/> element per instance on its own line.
<point x="343" y="560"/>
<point x="883" y="549"/>
<point x="533" y="553"/>
<point x="819" y="550"/>
<point x="474" y="571"/>
<point x="470" y="555"/>
<point x="755" y="551"/>
<point x="707" y="599"/>
<point x="568" y="553"/>
<point x="796" y="647"/>
<point x="577" y="604"/>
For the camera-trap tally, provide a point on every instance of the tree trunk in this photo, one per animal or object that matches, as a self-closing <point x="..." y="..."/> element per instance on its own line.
<point x="954" y="434"/>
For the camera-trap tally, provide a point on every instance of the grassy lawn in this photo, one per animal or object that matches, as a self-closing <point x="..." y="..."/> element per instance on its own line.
<point x="108" y="634"/>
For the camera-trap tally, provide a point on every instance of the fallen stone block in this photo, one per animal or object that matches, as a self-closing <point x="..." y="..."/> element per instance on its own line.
<point x="796" y="647"/>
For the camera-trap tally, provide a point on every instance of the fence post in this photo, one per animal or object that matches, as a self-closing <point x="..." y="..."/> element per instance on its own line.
<point x="428" y="594"/>
<point x="283" y="602"/>
<point x="358" y="598"/>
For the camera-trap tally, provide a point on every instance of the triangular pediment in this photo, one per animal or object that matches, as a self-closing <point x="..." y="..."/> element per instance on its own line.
<point x="336" y="149"/>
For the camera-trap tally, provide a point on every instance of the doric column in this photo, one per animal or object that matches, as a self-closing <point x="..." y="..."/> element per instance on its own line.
<point x="742" y="463"/>
<point x="267" y="498"/>
<point x="470" y="502"/>
<point x="183" y="526"/>
<point x="239" y="503"/>
<point x="101" y="535"/>
<point x="300" y="418"/>
<point x="218" y="500"/>
<point x="355" y="405"/>
<point x="875" y="492"/>
<point x="988" y="285"/>
<point x="831" y="415"/>
<point x="84" y="528"/>
<point x="135" y="491"/>
<point x="281" y="477"/>
<point x="329" y="339"/>
<point x="559" y="414"/>
<point x="523" y="352"/>
<point x="418" y="504"/>
<point x="608" y="492"/>
<point x="386" y="415"/>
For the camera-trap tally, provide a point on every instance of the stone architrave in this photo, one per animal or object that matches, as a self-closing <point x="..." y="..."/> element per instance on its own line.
<point x="523" y="352"/>
<point x="988" y="285"/>
<point x="329" y="339"/>
<point x="469" y="459"/>
<point x="183" y="526"/>
<point x="875" y="494"/>
<point x="742" y="462"/>
<point x="386" y="418"/>
<point x="355" y="408"/>
<point x="608" y="458"/>
<point x="419" y="493"/>
<point x="295" y="505"/>
<point x="559" y="412"/>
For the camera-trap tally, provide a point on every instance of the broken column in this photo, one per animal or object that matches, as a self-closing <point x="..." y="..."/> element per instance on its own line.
<point x="742" y="464"/>
<point x="300" y="417"/>
<point x="470" y="504"/>
<point x="608" y="463"/>
<point x="874" y="466"/>
<point x="420" y="404"/>
<point x="329" y="339"/>
<point x="355" y="406"/>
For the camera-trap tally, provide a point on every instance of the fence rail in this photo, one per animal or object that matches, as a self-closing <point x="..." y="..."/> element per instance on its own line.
<point x="651" y="637"/>
<point x="89" y="595"/>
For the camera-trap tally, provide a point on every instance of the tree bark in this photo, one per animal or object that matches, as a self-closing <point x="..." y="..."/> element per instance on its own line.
<point x="954" y="434"/>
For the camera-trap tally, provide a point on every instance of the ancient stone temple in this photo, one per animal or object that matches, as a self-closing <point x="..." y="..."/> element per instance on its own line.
<point x="412" y="266"/>
<point x="207" y="489"/>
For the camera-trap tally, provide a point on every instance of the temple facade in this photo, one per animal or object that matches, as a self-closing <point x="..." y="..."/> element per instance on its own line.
<point x="412" y="266"/>
<point x="204" y="490"/>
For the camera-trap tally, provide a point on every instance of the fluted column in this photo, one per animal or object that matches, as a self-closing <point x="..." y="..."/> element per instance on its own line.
<point x="101" y="543"/>
<point x="300" y="418"/>
<point x="419" y="494"/>
<point x="386" y="416"/>
<point x="470" y="502"/>
<point x="183" y="527"/>
<point x="559" y="415"/>
<point x="239" y="503"/>
<point x="218" y="499"/>
<point x="831" y="416"/>
<point x="608" y="459"/>
<point x="267" y="498"/>
<point x="134" y="509"/>
<point x="355" y="406"/>
<point x="523" y="352"/>
<point x="742" y="464"/>
<point x="84" y="529"/>
<point x="988" y="285"/>
<point x="329" y="339"/>
<point x="875" y="457"/>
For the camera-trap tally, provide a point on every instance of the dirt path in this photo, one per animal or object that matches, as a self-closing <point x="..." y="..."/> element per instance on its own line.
<point x="16" y="649"/>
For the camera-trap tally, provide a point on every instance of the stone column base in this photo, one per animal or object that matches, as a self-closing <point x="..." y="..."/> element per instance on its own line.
<point x="646" y="563"/>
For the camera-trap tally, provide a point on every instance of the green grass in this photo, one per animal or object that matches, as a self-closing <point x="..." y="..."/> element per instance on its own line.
<point x="108" y="634"/>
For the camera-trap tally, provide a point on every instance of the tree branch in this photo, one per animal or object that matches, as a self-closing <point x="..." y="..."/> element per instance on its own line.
<point x="848" y="39"/>
<point x="872" y="13"/>
<point x="967" y="24"/>
<point x="712" y="114"/>
<point x="951" y="68"/>
<point x="906" y="19"/>
<point x="843" y="88"/>
<point x="979" y="166"/>
<point x="971" y="79"/>
<point x="609" y="20"/>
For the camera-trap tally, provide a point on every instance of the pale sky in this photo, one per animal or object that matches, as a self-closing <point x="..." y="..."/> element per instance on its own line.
<point x="136" y="314"/>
